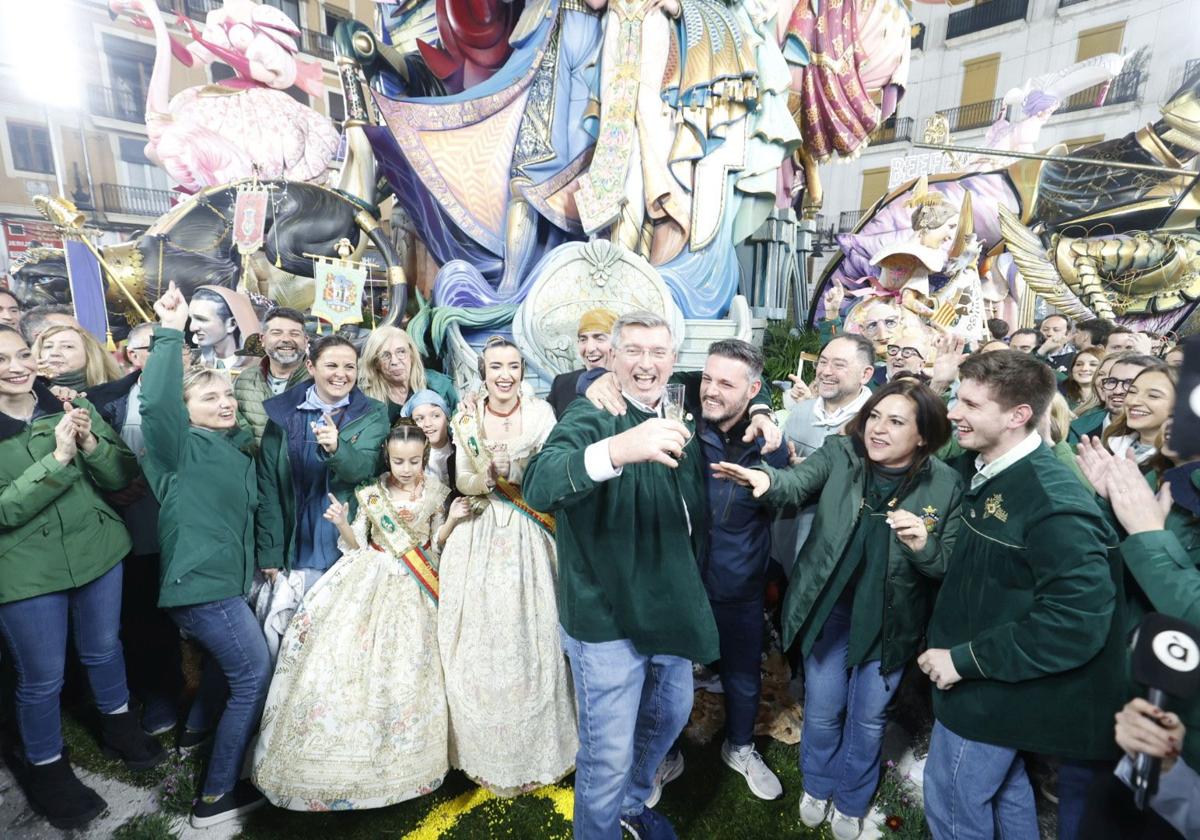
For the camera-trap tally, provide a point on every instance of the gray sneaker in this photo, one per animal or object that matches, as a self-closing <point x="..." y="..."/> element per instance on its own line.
<point x="763" y="783"/>
<point x="813" y="810"/>
<point x="670" y="770"/>
<point x="844" y="827"/>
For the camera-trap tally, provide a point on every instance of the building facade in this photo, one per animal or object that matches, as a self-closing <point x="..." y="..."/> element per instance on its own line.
<point x="102" y="141"/>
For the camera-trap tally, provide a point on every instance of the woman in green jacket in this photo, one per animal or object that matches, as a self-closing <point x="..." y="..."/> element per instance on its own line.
<point x="199" y="466"/>
<point x="60" y="555"/>
<point x="322" y="437"/>
<point x="862" y="588"/>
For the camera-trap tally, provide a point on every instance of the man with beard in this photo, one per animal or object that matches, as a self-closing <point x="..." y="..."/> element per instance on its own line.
<point x="594" y="344"/>
<point x="1122" y="370"/>
<point x="844" y="368"/>
<point x="285" y="343"/>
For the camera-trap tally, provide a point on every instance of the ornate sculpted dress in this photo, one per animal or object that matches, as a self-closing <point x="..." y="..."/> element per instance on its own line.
<point x="356" y="715"/>
<point x="512" y="710"/>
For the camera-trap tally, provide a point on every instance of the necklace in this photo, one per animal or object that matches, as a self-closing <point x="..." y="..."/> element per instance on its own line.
<point x="504" y="415"/>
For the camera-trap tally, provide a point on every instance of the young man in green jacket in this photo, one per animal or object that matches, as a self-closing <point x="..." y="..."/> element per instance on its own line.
<point x="1024" y="646"/>
<point x="628" y="497"/>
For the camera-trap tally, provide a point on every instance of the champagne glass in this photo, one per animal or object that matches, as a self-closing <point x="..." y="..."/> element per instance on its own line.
<point x="673" y="408"/>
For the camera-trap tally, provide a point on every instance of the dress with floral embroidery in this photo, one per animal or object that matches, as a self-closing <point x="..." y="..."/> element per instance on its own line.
<point x="356" y="714"/>
<point x="512" y="710"/>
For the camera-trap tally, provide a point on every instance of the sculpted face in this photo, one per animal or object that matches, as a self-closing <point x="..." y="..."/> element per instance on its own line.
<point x="208" y="327"/>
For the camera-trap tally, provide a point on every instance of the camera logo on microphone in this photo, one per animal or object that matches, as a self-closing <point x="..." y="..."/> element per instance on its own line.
<point x="1176" y="650"/>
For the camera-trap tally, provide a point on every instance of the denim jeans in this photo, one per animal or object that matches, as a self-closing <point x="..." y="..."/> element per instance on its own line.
<point x="845" y="711"/>
<point x="35" y="632"/>
<point x="976" y="791"/>
<point x="740" y="627"/>
<point x="233" y="641"/>
<point x="1075" y="779"/>
<point x="631" y="708"/>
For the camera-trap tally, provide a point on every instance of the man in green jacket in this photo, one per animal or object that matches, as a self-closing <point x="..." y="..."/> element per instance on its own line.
<point x="628" y="496"/>
<point x="1024" y="644"/>
<point x="286" y="344"/>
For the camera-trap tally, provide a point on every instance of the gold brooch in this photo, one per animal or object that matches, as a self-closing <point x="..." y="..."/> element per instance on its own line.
<point x="995" y="507"/>
<point x="929" y="516"/>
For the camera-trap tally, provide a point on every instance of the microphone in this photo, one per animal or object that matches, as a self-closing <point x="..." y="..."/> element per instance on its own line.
<point x="1166" y="659"/>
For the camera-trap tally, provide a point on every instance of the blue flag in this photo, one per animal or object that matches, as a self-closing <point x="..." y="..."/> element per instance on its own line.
<point x="87" y="289"/>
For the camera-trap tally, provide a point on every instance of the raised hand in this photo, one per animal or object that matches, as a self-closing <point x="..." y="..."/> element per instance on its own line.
<point x="757" y="480"/>
<point x="84" y="439"/>
<point x="1094" y="462"/>
<point x="1137" y="507"/>
<point x="338" y="512"/>
<point x="326" y="434"/>
<point x="658" y="440"/>
<point x="833" y="298"/>
<point x="65" y="445"/>
<point x="172" y="309"/>
<point x="950" y="352"/>
<point x="799" y="391"/>
<point x="909" y="528"/>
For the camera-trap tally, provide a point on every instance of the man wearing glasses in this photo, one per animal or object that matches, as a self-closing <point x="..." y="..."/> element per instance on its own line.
<point x="908" y="353"/>
<point x="1121" y="374"/>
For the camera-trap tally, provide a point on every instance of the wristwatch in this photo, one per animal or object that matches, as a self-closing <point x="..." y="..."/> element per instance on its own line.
<point x="763" y="409"/>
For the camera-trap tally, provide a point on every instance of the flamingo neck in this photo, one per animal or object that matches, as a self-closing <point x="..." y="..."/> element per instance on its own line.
<point x="158" y="95"/>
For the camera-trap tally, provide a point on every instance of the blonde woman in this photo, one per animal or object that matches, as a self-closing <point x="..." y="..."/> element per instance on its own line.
<point x="70" y="357"/>
<point x="391" y="371"/>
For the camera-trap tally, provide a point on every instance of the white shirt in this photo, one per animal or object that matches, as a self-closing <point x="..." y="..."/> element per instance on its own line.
<point x="822" y="416"/>
<point x="985" y="472"/>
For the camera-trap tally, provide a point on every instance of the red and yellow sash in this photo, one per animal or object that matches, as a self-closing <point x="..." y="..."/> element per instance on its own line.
<point x="511" y="493"/>
<point x="395" y="538"/>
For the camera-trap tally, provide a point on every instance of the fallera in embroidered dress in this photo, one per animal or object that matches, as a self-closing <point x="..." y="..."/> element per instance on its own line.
<point x="512" y="709"/>
<point x="356" y="715"/>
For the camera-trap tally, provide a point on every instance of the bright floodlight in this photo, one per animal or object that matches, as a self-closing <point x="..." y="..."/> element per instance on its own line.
<point x="39" y="44"/>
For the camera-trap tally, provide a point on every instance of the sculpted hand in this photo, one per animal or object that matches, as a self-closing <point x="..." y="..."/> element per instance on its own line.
<point x="501" y="462"/>
<point x="760" y="424"/>
<point x="939" y="667"/>
<point x="757" y="480"/>
<point x="909" y="528"/>
<point x="833" y="298"/>
<point x="605" y="394"/>
<point x="172" y="309"/>
<point x="469" y="402"/>
<point x="326" y="434"/>
<point x="655" y="440"/>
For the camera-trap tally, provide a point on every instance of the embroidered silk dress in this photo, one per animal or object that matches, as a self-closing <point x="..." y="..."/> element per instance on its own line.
<point x="512" y="710"/>
<point x="356" y="715"/>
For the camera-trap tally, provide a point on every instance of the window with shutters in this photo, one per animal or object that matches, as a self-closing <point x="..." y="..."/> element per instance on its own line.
<point x="1091" y="43"/>
<point x="30" y="145"/>
<point x="979" y="79"/>
<point x="874" y="185"/>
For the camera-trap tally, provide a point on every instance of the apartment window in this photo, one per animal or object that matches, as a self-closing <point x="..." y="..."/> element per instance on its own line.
<point x="136" y="169"/>
<point x="874" y="185"/>
<point x="130" y="65"/>
<point x="1098" y="41"/>
<point x="333" y="17"/>
<point x="291" y="8"/>
<point x="30" y="146"/>
<point x="979" y="79"/>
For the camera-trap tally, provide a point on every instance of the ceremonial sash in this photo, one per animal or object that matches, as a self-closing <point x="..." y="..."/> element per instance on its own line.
<point x="397" y="539"/>
<point x="508" y="492"/>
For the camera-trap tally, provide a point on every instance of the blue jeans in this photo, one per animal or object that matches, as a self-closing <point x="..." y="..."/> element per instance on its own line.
<point x="740" y="627"/>
<point x="234" y="644"/>
<point x="1075" y="779"/>
<point x="35" y="631"/>
<point x="845" y="711"/>
<point x="976" y="791"/>
<point x="631" y="708"/>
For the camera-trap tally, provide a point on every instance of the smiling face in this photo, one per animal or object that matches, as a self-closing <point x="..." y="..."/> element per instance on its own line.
<point x="595" y="348"/>
<point x="643" y="362"/>
<point x="904" y="357"/>
<point x="211" y="404"/>
<point x="334" y="372"/>
<point x="208" y="327"/>
<point x="62" y="352"/>
<point x="502" y="373"/>
<point x="395" y="361"/>
<point x="725" y="390"/>
<point x="406" y="461"/>
<point x="890" y="433"/>
<point x="10" y="310"/>
<point x="432" y="421"/>
<point x="1148" y="404"/>
<point x="1083" y="369"/>
<point x="981" y="422"/>
<point x="17" y="367"/>
<point x="1115" y="386"/>
<point x="284" y="341"/>
<point x="841" y="372"/>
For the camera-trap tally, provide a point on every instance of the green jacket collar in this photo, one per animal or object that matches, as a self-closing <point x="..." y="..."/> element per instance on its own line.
<point x="46" y="403"/>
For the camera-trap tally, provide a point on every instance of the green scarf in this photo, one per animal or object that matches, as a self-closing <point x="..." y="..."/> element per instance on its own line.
<point x="76" y="380"/>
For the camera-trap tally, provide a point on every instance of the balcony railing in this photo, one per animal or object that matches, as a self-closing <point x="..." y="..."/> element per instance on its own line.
<point x="1123" y="88"/>
<point x="984" y="16"/>
<point x="195" y="9"/>
<point x="918" y="36"/>
<point x="134" y="201"/>
<point x="318" y="44"/>
<point x="893" y="131"/>
<point x="975" y="115"/>
<point x="847" y="219"/>
<point x="115" y="104"/>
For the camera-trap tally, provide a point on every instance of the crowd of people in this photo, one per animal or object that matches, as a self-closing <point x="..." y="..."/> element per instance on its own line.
<point x="388" y="579"/>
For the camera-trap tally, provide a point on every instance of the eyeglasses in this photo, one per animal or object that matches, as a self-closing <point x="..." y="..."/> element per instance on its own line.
<point x="658" y="354"/>
<point x="1110" y="384"/>
<point x="887" y="323"/>
<point x="904" y="352"/>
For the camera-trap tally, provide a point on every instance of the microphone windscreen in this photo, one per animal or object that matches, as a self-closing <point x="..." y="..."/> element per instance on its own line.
<point x="1185" y="430"/>
<point x="1166" y="655"/>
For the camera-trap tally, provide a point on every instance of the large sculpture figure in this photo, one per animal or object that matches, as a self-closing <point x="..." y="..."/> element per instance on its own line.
<point x="246" y="126"/>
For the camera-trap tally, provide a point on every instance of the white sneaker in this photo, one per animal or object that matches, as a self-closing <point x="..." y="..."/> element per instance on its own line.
<point x="670" y="770"/>
<point x="845" y="828"/>
<point x="813" y="810"/>
<point x="763" y="783"/>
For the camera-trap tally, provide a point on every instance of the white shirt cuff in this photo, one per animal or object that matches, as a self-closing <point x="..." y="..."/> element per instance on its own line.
<point x="599" y="466"/>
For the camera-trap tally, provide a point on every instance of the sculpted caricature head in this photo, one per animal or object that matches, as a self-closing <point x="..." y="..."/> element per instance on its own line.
<point x="880" y="322"/>
<point x="211" y="321"/>
<point x="935" y="222"/>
